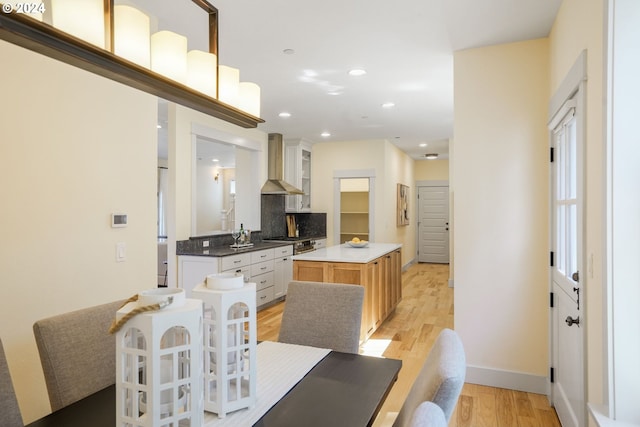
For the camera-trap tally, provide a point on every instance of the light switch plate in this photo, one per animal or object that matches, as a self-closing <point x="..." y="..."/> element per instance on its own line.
<point x="121" y="252"/>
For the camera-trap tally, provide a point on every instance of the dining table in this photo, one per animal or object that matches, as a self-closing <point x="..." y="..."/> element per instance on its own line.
<point x="341" y="389"/>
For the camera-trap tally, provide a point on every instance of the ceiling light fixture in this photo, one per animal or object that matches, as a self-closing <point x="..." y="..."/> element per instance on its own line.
<point x="424" y="144"/>
<point x="388" y="105"/>
<point x="100" y="52"/>
<point x="356" y="72"/>
<point x="288" y="51"/>
<point x="431" y="156"/>
<point x="284" y="114"/>
<point x="325" y="134"/>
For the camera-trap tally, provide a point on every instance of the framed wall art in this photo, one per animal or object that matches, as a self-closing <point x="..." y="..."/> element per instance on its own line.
<point x="403" y="205"/>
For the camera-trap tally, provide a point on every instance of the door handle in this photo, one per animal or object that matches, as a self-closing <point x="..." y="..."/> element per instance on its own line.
<point x="571" y="321"/>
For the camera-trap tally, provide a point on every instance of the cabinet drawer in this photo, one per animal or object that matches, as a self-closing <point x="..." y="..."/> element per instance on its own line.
<point x="261" y="267"/>
<point x="235" y="261"/>
<point x="263" y="281"/>
<point x="264" y="296"/>
<point x="245" y="271"/>
<point x="263" y="255"/>
<point x="283" y="251"/>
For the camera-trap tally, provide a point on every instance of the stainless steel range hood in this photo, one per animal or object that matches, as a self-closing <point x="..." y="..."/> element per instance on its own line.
<point x="275" y="183"/>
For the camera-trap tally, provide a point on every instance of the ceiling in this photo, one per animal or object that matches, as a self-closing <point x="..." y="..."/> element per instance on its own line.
<point x="300" y="53"/>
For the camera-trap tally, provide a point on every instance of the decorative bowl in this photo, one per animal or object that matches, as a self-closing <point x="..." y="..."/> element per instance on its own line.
<point x="360" y="244"/>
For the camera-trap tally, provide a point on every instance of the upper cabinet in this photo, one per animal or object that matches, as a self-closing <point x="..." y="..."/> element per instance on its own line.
<point x="297" y="171"/>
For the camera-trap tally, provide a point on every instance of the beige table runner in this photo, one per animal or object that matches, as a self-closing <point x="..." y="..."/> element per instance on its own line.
<point x="280" y="367"/>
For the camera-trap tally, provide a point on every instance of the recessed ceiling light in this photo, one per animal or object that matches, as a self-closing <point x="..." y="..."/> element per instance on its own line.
<point x="424" y="144"/>
<point x="215" y="160"/>
<point x="159" y="126"/>
<point x="288" y="51"/>
<point x="284" y="114"/>
<point x="325" y="134"/>
<point x="388" y="105"/>
<point x="431" y="156"/>
<point x="357" y="72"/>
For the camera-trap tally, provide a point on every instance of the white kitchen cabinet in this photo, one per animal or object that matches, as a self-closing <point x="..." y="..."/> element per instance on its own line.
<point x="320" y="243"/>
<point x="282" y="272"/>
<point x="297" y="171"/>
<point x="263" y="267"/>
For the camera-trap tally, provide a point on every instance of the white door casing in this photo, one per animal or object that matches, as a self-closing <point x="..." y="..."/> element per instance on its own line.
<point x="433" y="224"/>
<point x="567" y="278"/>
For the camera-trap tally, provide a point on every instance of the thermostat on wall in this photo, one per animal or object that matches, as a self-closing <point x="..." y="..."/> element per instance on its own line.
<point x="118" y="220"/>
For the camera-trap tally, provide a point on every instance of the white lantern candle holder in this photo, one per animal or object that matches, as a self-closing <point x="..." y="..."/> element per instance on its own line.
<point x="230" y="340"/>
<point x="159" y="373"/>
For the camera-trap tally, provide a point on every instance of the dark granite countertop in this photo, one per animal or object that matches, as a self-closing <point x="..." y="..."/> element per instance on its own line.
<point x="227" y="251"/>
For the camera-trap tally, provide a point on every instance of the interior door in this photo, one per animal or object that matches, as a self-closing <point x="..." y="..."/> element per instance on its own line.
<point x="568" y="299"/>
<point x="433" y="226"/>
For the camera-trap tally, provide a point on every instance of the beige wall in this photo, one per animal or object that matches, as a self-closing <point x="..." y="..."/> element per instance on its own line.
<point x="579" y="26"/>
<point x="501" y="214"/>
<point x="431" y="170"/>
<point x="391" y="166"/>
<point x="74" y="148"/>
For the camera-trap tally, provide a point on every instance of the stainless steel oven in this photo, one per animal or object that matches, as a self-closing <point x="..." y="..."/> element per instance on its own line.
<point x="300" y="244"/>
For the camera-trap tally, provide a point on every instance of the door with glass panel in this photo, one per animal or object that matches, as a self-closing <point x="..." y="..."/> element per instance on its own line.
<point x="568" y="368"/>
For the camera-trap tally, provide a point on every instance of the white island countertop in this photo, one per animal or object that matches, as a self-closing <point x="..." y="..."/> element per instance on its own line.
<point x="345" y="253"/>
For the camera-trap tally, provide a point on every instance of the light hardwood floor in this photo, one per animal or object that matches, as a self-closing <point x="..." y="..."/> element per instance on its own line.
<point x="409" y="333"/>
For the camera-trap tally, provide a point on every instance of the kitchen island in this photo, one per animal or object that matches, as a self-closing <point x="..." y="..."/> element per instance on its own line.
<point x="377" y="267"/>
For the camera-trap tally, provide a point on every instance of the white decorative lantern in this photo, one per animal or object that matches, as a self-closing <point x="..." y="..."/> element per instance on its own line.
<point x="159" y="361"/>
<point x="230" y="340"/>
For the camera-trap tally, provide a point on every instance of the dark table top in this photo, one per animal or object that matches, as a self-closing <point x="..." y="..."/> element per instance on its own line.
<point x="341" y="390"/>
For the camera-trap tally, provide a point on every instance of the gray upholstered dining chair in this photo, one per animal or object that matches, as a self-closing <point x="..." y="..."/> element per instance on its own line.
<point x="326" y="315"/>
<point x="10" y="415"/>
<point x="428" y="414"/>
<point x="440" y="380"/>
<point x="77" y="353"/>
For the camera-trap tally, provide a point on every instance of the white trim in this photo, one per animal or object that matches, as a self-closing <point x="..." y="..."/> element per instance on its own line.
<point x="353" y="173"/>
<point x="433" y="183"/>
<point x="451" y="283"/>
<point x="507" y="379"/>
<point x="569" y="85"/>
<point x="210" y="133"/>
<point x="601" y="419"/>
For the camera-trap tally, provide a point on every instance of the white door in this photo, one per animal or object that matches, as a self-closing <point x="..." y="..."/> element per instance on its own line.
<point x="568" y="298"/>
<point x="433" y="225"/>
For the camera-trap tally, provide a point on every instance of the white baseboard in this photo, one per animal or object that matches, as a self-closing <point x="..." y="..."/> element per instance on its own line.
<point x="407" y="265"/>
<point x="507" y="379"/>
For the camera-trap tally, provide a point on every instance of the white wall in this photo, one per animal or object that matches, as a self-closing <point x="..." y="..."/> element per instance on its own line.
<point x="579" y="26"/>
<point x="501" y="215"/>
<point x="391" y="167"/>
<point x="74" y="148"/>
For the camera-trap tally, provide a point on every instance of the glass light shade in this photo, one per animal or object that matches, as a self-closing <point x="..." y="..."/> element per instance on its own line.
<point x="131" y="35"/>
<point x="81" y="18"/>
<point x="249" y="98"/>
<point x="201" y="72"/>
<point x="169" y="55"/>
<point x="228" y="84"/>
